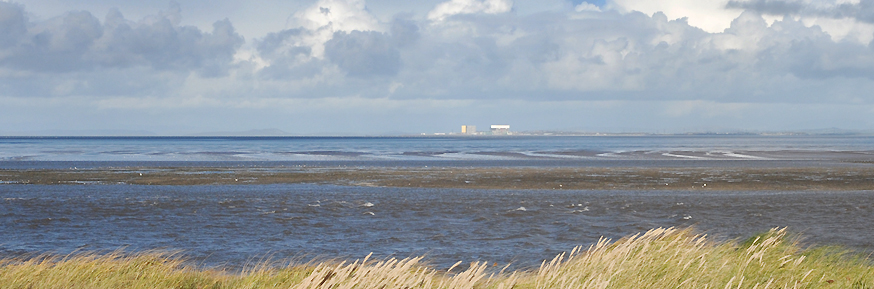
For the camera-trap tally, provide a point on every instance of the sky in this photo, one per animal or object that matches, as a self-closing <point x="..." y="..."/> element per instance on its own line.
<point x="356" y="67"/>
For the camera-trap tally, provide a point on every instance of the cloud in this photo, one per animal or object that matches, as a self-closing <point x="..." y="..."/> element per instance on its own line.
<point x="478" y="54"/>
<point x="61" y="43"/>
<point x="363" y="54"/>
<point x="340" y="15"/>
<point x="710" y="15"/>
<point x="77" y="54"/>
<point x="568" y="56"/>
<point x="404" y="30"/>
<point x="316" y="25"/>
<point x="330" y="36"/>
<point x="165" y="47"/>
<point x="862" y="10"/>
<point x="13" y="24"/>
<point x="772" y="7"/>
<point x="161" y="43"/>
<point x="455" y="7"/>
<point x="585" y="6"/>
<point x="287" y="55"/>
<point x="78" y="41"/>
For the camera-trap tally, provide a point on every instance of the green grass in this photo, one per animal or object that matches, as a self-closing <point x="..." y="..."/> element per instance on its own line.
<point x="659" y="258"/>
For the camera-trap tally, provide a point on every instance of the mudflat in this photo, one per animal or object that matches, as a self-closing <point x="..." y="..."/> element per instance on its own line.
<point x="540" y="178"/>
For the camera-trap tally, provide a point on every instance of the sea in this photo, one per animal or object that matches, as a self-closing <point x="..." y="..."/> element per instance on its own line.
<point x="234" y="226"/>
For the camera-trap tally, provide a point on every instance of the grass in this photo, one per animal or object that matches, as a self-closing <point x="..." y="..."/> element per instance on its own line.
<point x="659" y="258"/>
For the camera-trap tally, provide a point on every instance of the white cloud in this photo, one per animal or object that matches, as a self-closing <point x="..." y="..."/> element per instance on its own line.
<point x="340" y="15"/>
<point x="455" y="7"/>
<point x="843" y="29"/>
<point x="585" y="6"/>
<point x="710" y="15"/>
<point x="312" y="27"/>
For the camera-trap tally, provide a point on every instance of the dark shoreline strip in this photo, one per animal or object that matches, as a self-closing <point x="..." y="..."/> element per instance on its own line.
<point x="628" y="178"/>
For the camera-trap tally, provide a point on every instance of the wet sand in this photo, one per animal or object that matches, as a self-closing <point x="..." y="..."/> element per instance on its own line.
<point x="597" y="178"/>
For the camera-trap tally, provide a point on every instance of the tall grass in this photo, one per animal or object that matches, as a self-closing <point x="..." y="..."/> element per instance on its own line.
<point x="659" y="258"/>
<point x="672" y="258"/>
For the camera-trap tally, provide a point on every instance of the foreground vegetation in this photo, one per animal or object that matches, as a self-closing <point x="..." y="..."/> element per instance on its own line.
<point x="659" y="258"/>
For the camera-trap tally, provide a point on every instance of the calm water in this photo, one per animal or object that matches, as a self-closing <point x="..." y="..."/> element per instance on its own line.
<point x="233" y="225"/>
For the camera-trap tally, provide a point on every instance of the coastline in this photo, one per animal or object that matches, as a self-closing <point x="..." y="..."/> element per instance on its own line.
<point x="826" y="178"/>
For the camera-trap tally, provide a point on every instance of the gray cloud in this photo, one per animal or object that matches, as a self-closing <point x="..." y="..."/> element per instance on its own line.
<point x="77" y="41"/>
<point x="360" y="54"/>
<point x="274" y="46"/>
<point x="404" y="30"/>
<point x="363" y="54"/>
<point x="13" y="24"/>
<point x="773" y="7"/>
<point x="59" y="44"/>
<point x="862" y="11"/>
<point x="288" y="60"/>
<point x="551" y="56"/>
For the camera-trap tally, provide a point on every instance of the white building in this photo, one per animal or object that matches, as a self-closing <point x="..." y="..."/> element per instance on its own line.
<point x="500" y="129"/>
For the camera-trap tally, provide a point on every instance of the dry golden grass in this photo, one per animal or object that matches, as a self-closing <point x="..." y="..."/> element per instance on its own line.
<point x="659" y="258"/>
<point x="672" y="258"/>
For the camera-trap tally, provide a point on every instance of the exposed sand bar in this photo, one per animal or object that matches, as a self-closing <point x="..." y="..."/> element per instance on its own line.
<point x="625" y="178"/>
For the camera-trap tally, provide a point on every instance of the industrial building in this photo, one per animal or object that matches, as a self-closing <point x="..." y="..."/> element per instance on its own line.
<point x="468" y="129"/>
<point x="500" y="129"/>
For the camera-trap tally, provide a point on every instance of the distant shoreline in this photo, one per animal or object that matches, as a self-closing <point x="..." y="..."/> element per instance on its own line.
<point x="524" y="178"/>
<point x="529" y="133"/>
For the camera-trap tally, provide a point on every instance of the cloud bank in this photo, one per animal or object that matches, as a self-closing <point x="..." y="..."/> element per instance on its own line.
<point x="337" y="57"/>
<point x="70" y="54"/>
